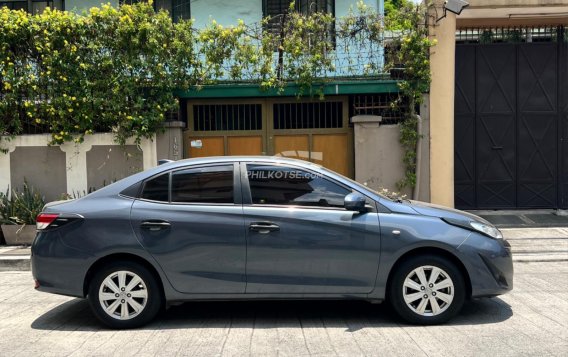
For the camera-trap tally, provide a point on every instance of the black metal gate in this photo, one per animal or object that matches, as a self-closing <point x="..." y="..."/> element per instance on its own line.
<point x="511" y="114"/>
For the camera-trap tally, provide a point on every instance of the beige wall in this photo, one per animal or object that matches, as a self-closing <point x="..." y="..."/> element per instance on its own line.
<point x="378" y="154"/>
<point x="442" y="58"/>
<point x="42" y="167"/>
<point x="169" y="144"/>
<point x="70" y="168"/>
<point x="109" y="163"/>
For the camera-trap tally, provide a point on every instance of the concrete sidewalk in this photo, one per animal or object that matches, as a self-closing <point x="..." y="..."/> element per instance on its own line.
<point x="528" y="244"/>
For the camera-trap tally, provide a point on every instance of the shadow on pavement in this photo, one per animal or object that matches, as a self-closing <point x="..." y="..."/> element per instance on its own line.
<point x="351" y="315"/>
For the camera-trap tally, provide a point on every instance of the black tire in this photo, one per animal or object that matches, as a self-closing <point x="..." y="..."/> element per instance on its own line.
<point x="153" y="301"/>
<point x="410" y="314"/>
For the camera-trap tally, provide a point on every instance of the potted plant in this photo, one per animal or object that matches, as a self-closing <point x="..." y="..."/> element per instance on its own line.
<point x="18" y="212"/>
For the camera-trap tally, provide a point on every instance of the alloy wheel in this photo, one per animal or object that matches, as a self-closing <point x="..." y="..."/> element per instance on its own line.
<point x="428" y="290"/>
<point x="123" y="295"/>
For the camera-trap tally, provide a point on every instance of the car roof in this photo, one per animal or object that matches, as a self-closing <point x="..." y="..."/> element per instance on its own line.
<point x="251" y="158"/>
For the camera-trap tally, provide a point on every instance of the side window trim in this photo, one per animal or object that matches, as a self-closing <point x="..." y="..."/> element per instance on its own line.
<point x="247" y="195"/>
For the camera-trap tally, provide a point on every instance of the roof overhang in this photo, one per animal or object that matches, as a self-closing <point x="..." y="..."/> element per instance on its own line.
<point x="338" y="87"/>
<point x="513" y="13"/>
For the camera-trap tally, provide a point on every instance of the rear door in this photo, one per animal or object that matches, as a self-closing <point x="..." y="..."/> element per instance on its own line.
<point x="191" y="221"/>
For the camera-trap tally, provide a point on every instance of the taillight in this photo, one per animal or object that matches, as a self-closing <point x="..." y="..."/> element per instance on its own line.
<point x="43" y="220"/>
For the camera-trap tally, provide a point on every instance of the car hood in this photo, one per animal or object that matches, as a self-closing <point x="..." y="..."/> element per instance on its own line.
<point x="433" y="210"/>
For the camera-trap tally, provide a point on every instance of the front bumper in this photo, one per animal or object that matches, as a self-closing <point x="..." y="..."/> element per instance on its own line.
<point x="490" y="265"/>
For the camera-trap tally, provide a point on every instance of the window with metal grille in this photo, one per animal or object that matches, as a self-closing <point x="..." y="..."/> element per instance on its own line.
<point x="179" y="9"/>
<point x="275" y="9"/>
<point x="227" y="117"/>
<point x="31" y="6"/>
<point x="509" y="34"/>
<point x="378" y="104"/>
<point x="312" y="115"/>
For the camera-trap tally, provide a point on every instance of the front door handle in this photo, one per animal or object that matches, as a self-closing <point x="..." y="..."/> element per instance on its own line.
<point x="263" y="227"/>
<point x="155" y="225"/>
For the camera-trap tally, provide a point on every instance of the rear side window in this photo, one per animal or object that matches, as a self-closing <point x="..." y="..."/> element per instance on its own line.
<point x="203" y="185"/>
<point x="157" y="188"/>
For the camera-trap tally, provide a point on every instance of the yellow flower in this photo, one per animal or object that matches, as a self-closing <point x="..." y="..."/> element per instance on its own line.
<point x="38" y="120"/>
<point x="7" y="86"/>
<point x="70" y="110"/>
<point x="73" y="98"/>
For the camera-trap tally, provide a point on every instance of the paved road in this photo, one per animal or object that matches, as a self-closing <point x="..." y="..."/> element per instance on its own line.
<point x="532" y="320"/>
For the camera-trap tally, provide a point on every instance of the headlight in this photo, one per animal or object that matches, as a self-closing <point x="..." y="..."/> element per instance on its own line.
<point x="486" y="229"/>
<point x="483" y="228"/>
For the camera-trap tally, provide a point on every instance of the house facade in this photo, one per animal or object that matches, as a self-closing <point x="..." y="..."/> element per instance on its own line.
<point x="352" y="130"/>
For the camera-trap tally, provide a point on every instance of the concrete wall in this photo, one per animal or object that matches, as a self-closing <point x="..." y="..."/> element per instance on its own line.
<point x="42" y="167"/>
<point x="71" y="168"/>
<point x="378" y="154"/>
<point x="169" y="144"/>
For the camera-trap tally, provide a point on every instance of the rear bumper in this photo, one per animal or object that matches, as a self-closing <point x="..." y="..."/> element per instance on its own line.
<point x="57" y="268"/>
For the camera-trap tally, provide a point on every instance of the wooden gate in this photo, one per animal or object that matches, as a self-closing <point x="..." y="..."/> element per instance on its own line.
<point x="312" y="130"/>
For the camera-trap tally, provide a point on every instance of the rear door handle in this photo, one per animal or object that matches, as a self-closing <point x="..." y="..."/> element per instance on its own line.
<point x="263" y="227"/>
<point x="155" y="225"/>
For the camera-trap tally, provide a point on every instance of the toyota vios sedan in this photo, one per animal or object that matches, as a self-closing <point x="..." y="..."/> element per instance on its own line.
<point x="225" y="228"/>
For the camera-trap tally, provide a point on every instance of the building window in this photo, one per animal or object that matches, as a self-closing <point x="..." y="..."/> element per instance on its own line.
<point x="181" y="10"/>
<point x="178" y="9"/>
<point x="275" y="9"/>
<point x="31" y="6"/>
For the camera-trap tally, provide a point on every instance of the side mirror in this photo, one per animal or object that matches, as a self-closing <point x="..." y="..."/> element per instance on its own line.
<point x="355" y="202"/>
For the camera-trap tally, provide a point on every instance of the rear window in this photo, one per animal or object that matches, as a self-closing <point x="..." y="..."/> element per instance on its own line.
<point x="203" y="185"/>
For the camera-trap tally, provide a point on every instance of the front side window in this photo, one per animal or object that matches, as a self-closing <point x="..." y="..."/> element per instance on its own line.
<point x="203" y="185"/>
<point x="280" y="185"/>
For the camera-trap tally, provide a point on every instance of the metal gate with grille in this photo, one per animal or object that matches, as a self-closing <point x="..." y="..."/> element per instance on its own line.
<point x="511" y="113"/>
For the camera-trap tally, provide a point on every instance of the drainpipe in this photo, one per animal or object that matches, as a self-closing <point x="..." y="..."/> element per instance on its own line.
<point x="416" y="190"/>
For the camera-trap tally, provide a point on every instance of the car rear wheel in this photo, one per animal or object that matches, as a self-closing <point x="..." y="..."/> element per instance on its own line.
<point x="124" y="295"/>
<point x="427" y="290"/>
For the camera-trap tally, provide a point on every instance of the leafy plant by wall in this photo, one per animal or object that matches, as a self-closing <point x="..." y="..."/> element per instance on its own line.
<point x="20" y="207"/>
<point x="117" y="69"/>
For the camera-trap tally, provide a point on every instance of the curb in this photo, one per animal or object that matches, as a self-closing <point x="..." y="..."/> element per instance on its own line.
<point x="15" y="263"/>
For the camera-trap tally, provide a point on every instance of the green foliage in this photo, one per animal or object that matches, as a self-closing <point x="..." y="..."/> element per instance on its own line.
<point x="408" y="22"/>
<point x="21" y="207"/>
<point x="117" y="69"/>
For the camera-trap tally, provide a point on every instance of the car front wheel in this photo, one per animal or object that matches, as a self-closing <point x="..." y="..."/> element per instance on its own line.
<point x="124" y="295"/>
<point x="427" y="290"/>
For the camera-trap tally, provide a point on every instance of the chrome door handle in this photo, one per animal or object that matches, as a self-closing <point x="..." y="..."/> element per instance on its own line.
<point x="155" y="225"/>
<point x="396" y="232"/>
<point x="263" y="227"/>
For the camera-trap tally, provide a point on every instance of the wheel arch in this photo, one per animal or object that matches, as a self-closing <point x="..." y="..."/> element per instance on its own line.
<point x="432" y="251"/>
<point x="121" y="257"/>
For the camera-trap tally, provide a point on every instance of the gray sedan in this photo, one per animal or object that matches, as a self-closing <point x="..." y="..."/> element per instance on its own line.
<point x="224" y="228"/>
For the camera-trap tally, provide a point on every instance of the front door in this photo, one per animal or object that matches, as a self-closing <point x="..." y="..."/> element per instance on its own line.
<point x="300" y="238"/>
<point x="194" y="229"/>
